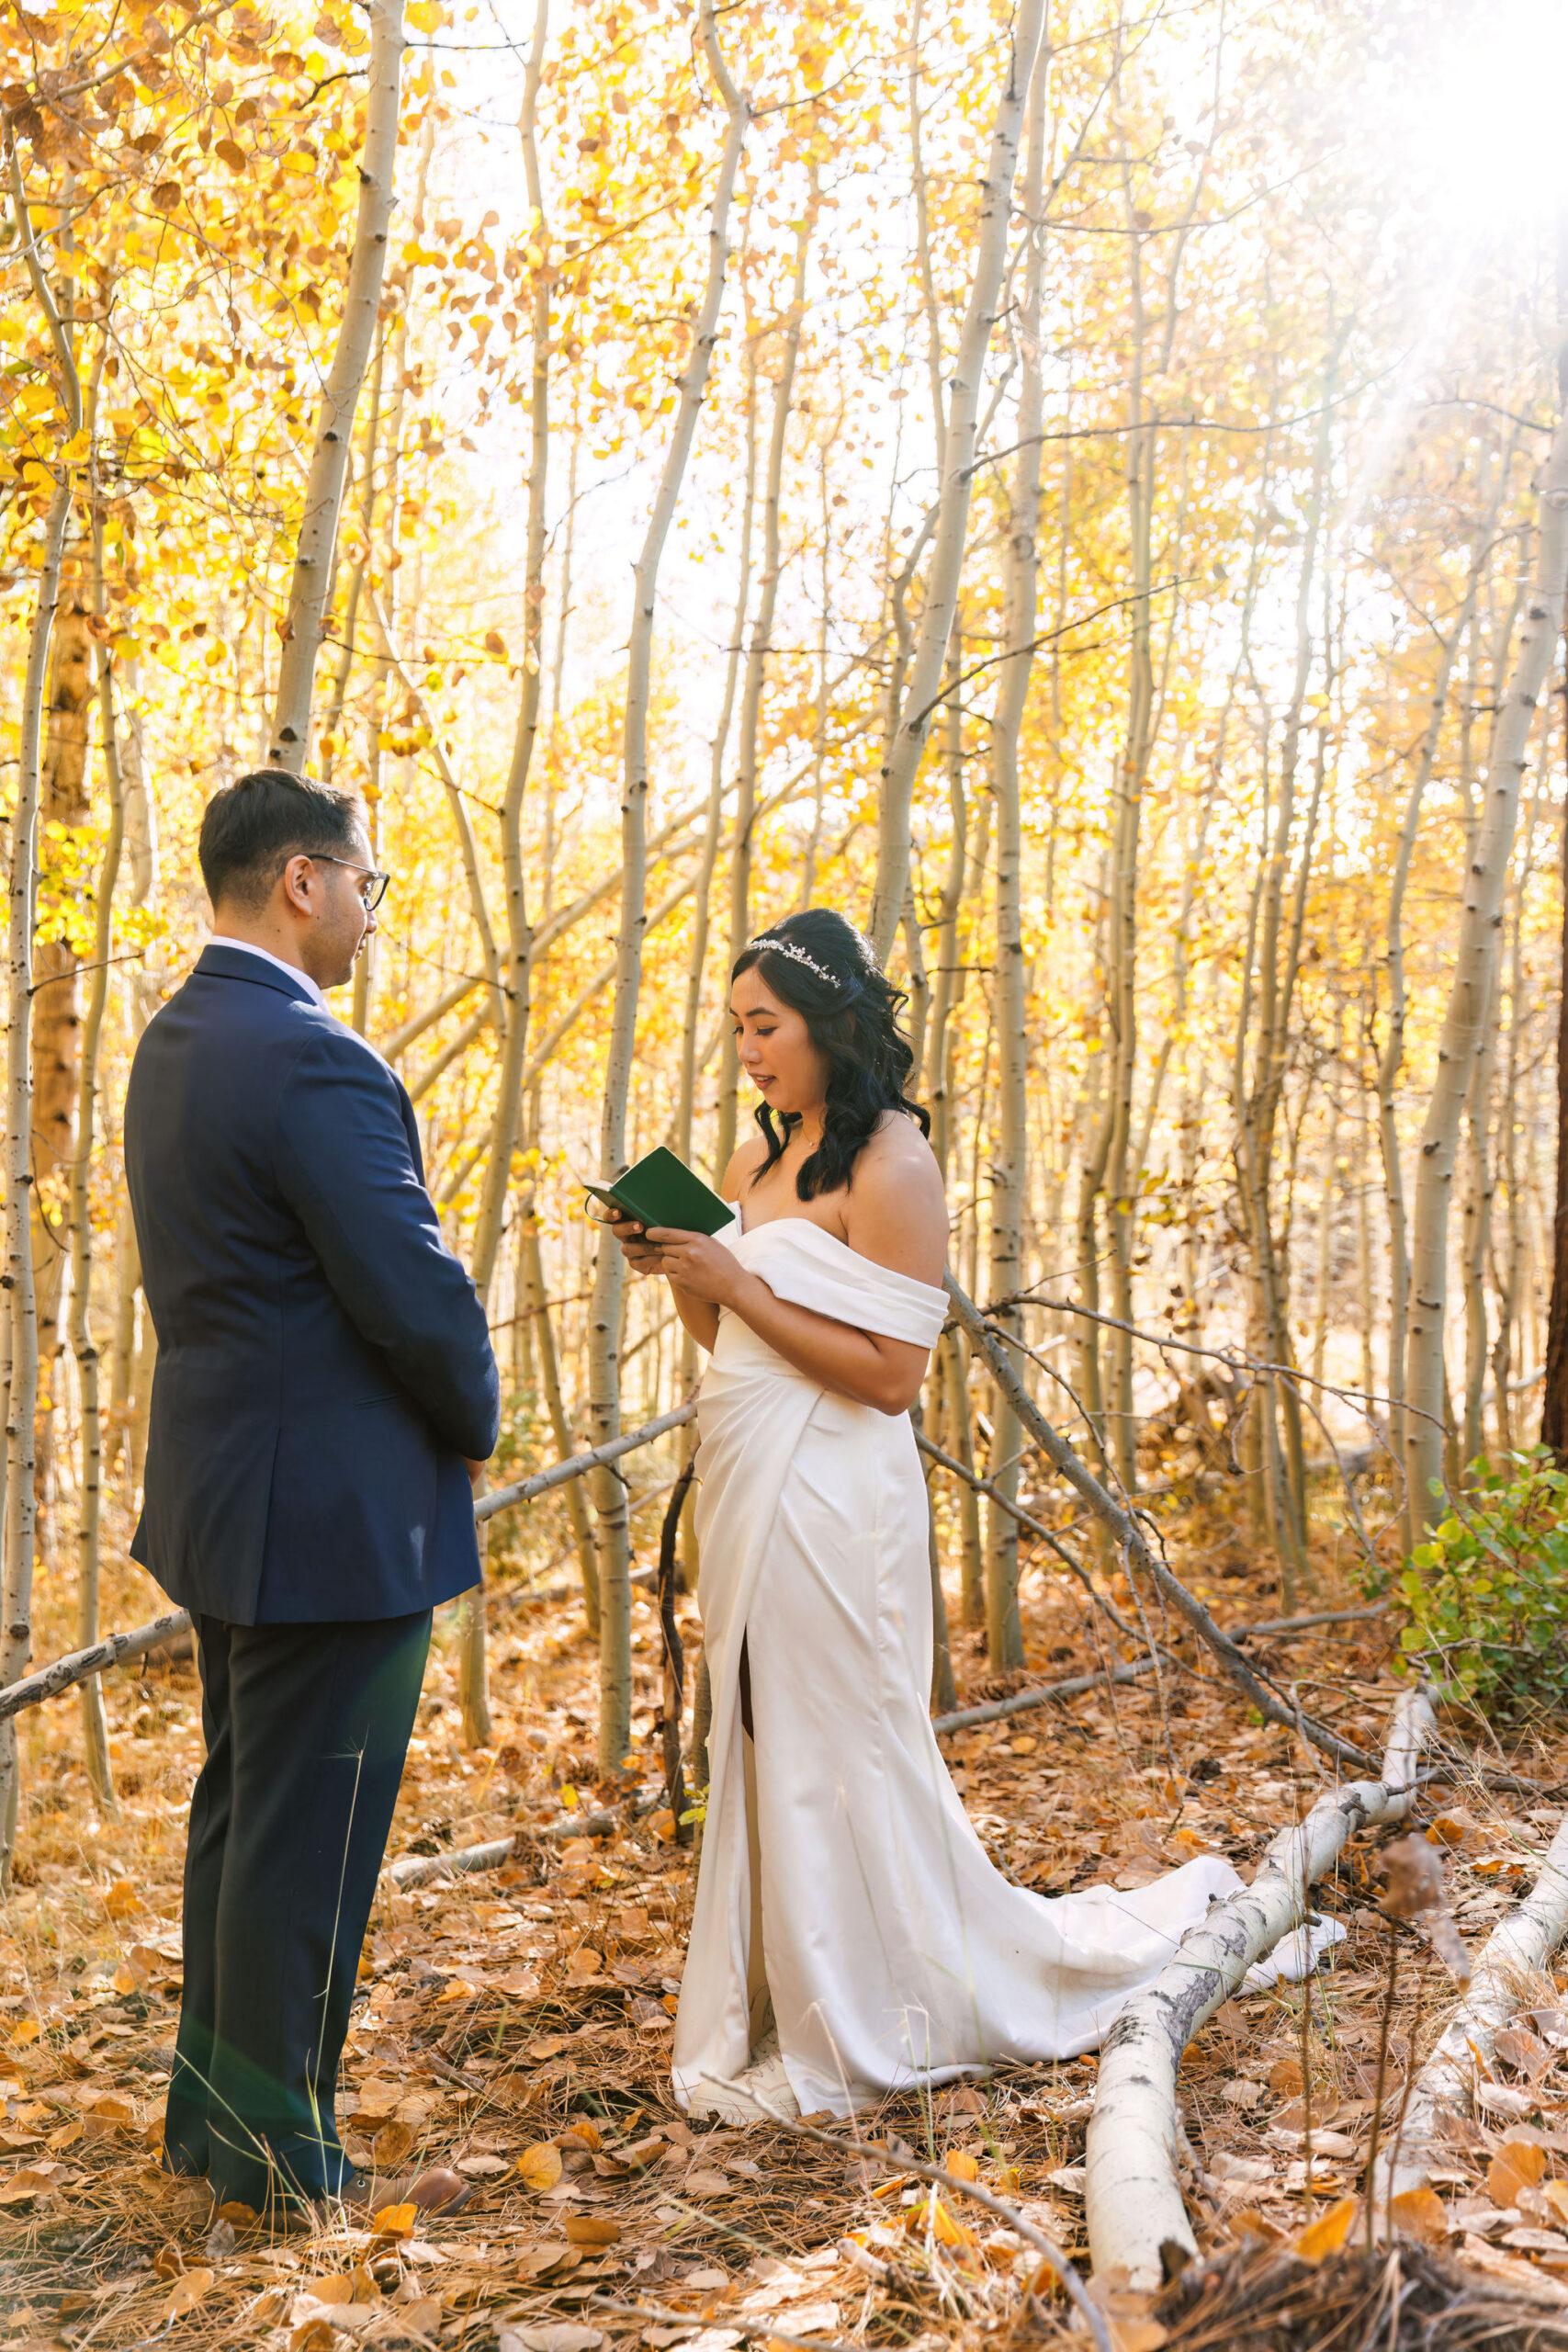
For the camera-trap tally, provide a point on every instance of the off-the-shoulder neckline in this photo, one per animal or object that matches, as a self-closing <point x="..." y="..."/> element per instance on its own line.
<point x="932" y="1290"/>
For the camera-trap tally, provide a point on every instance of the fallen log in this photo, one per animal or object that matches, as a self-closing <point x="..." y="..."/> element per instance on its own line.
<point x="464" y="1862"/>
<point x="66" y="1672"/>
<point x="525" y="1490"/>
<point x="1134" y="1546"/>
<point x="1138" y="2230"/>
<point x="1020" y="1701"/>
<point x="1517" y="1948"/>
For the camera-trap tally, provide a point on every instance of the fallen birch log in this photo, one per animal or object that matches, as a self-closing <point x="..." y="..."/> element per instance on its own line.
<point x="577" y="1466"/>
<point x="66" y="1672"/>
<point x="1134" y="1546"/>
<point x="464" y="1862"/>
<point x="1020" y="1702"/>
<point x="1138" y="2232"/>
<point x="1517" y="1948"/>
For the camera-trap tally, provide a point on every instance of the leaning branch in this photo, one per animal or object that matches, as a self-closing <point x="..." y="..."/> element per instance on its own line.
<point x="1130" y="1536"/>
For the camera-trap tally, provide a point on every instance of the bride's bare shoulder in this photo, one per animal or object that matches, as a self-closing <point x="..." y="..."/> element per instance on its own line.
<point x="744" y="1163"/>
<point x="896" y="1207"/>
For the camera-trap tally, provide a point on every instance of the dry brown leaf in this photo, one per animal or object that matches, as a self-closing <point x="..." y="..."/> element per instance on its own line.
<point x="391" y="2144"/>
<point x="186" y="2294"/>
<point x="333" y="2286"/>
<point x="1554" y="2193"/>
<point x="584" y="1963"/>
<point x="592" y="2229"/>
<point x="1285" y="2075"/>
<point x="1516" y="2165"/>
<point x="701" y="2183"/>
<point x="458" y="1988"/>
<point x="539" y="2167"/>
<point x="121" y="1901"/>
<point x="586" y="2134"/>
<point x="376" y="2100"/>
<point x="1327" y="2233"/>
<point x="1420" y="2213"/>
<point x="316" y="2334"/>
<point x="663" y="1825"/>
<point x="423" y="2317"/>
<point x="483" y="2168"/>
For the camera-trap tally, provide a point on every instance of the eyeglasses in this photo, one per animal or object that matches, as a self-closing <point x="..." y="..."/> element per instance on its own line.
<point x="374" y="888"/>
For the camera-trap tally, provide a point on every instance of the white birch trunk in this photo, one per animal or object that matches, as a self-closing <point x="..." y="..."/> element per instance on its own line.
<point x="95" y="1728"/>
<point x="21" y="1508"/>
<point x="604" y="1312"/>
<point x="1138" y="2232"/>
<point x="311" y="586"/>
<point x="1464" y="1020"/>
<point x="1010" y="1161"/>
<point x="519" y="933"/>
<point x="923" y="690"/>
<point x="1518" y="1949"/>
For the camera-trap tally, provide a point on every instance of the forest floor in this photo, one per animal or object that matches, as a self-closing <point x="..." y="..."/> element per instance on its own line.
<point x="518" y="2024"/>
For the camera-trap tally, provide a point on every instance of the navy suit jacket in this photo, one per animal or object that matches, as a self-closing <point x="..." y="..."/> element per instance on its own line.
<point x="323" y="1363"/>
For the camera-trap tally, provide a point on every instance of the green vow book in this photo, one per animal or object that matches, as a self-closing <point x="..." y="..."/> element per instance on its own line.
<point x="661" y="1190"/>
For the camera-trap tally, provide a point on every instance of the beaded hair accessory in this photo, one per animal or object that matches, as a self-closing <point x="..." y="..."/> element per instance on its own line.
<point x="798" y="955"/>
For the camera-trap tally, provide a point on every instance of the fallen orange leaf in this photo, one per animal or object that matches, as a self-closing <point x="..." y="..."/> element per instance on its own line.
<point x="962" y="2165"/>
<point x="395" y="2221"/>
<point x="1420" y="2213"/>
<point x="590" y="2229"/>
<point x="1516" y="2165"/>
<point x="1327" y="2233"/>
<point x="539" y="2167"/>
<point x="186" y="2294"/>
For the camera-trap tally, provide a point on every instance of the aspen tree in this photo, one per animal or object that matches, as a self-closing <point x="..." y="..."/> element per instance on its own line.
<point x="515" y="995"/>
<point x="1010" y="1162"/>
<point x="1464" y="1018"/>
<point x="95" y="1728"/>
<point x="311" y="585"/>
<point x="922" y="693"/>
<point x="22" y="1385"/>
<point x="604" y="1414"/>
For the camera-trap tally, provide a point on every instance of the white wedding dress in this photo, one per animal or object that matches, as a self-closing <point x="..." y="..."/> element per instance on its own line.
<point x="893" y="1951"/>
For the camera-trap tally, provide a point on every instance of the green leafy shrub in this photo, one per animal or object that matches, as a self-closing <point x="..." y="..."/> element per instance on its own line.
<point x="1488" y="1594"/>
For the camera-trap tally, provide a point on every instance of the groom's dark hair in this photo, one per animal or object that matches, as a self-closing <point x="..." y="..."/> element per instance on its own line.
<point x="251" y="828"/>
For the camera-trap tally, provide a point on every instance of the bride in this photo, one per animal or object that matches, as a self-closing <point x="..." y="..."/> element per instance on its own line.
<point x="850" y="1937"/>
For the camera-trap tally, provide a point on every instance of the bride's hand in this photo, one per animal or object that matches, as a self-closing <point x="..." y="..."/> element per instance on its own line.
<point x="635" y="1247"/>
<point x="697" y="1265"/>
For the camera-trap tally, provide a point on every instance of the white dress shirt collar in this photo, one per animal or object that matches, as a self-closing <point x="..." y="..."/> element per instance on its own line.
<point x="246" y="948"/>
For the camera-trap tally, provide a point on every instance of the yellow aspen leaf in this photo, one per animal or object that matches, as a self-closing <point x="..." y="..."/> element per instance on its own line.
<point x="1420" y="2213"/>
<point x="185" y="2294"/>
<point x="539" y="2167"/>
<point x="27" y="2032"/>
<point x="584" y="2133"/>
<point x="1327" y="2233"/>
<point x="424" y="16"/>
<point x="1516" y="2165"/>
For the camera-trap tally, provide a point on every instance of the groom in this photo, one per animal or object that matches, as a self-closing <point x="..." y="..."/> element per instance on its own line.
<point x="325" y="1393"/>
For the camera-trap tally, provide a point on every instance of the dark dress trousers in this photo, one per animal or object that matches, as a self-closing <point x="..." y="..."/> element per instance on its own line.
<point x="323" y="1366"/>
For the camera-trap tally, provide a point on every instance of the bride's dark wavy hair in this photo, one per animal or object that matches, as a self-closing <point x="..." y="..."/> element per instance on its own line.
<point x="822" y="969"/>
